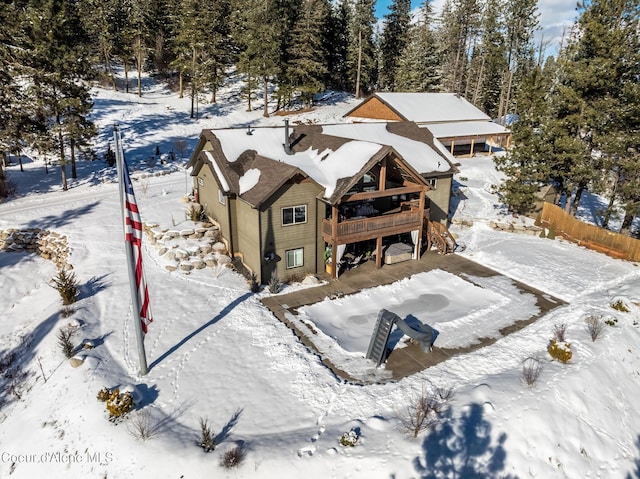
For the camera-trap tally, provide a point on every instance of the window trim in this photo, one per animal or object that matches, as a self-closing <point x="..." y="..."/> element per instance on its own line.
<point x="293" y="215"/>
<point x="294" y="251"/>
<point x="221" y="198"/>
<point x="433" y="183"/>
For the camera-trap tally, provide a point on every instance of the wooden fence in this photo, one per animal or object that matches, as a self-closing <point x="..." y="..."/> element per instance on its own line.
<point x="590" y="236"/>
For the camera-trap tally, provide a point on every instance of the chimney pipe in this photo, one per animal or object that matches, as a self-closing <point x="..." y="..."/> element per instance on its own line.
<point x="287" y="143"/>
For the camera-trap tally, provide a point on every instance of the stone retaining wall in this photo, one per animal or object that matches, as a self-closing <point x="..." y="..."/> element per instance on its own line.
<point x="48" y="244"/>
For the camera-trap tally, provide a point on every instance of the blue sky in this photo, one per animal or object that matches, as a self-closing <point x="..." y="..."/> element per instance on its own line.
<point x="555" y="15"/>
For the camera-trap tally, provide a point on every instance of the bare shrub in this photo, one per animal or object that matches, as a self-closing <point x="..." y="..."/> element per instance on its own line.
<point x="233" y="457"/>
<point x="425" y="409"/>
<point x="67" y="311"/>
<point x="560" y="332"/>
<point x="531" y="370"/>
<point x="594" y="326"/>
<point x="207" y="439"/>
<point x="141" y="426"/>
<point x="64" y="341"/>
<point x="66" y="284"/>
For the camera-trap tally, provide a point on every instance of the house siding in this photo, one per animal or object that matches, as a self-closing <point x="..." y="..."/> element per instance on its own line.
<point x="246" y="233"/>
<point x="375" y="109"/>
<point x="278" y="239"/>
<point x="208" y="198"/>
<point x="440" y="198"/>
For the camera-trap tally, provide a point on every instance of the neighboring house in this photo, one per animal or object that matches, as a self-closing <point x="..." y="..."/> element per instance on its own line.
<point x="459" y="126"/>
<point x="291" y="201"/>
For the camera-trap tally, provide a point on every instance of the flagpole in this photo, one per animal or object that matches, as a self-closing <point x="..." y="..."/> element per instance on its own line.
<point x="135" y="303"/>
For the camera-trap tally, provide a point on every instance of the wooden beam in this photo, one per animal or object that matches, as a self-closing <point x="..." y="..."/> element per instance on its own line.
<point x="379" y="252"/>
<point x="382" y="180"/>
<point x="452" y="146"/>
<point x="490" y="143"/>
<point x="369" y="195"/>
<point x="473" y="141"/>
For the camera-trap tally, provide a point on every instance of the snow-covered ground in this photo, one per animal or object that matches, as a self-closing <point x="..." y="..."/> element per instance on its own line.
<point x="215" y="352"/>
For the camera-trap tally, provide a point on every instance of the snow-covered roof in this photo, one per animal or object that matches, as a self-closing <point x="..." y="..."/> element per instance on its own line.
<point x="432" y="107"/>
<point x="324" y="167"/>
<point x="466" y="128"/>
<point x="421" y="156"/>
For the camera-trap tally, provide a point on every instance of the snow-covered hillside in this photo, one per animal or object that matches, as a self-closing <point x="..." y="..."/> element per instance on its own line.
<point x="215" y="352"/>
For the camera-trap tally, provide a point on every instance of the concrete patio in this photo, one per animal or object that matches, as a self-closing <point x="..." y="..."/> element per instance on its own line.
<point x="401" y="362"/>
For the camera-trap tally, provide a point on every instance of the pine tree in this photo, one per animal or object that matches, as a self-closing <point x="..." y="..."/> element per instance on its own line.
<point x="335" y="41"/>
<point x="418" y="68"/>
<point x="460" y="21"/>
<point x="486" y="93"/>
<point x="395" y="37"/>
<point x="361" y="51"/>
<point x="595" y="121"/>
<point x="521" y="23"/>
<point x="525" y="166"/>
<point x="55" y="61"/>
<point x="257" y="34"/>
<point x="307" y="68"/>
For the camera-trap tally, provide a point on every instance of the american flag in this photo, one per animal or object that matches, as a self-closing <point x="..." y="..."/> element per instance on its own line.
<point x="133" y="236"/>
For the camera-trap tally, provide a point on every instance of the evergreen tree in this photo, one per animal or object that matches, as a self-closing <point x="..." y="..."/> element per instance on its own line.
<point x="418" y="68"/>
<point x="395" y="37"/>
<point x="525" y="166"/>
<point x="55" y="61"/>
<point x="257" y="34"/>
<point x="335" y="42"/>
<point x="521" y="23"/>
<point x="492" y="63"/>
<point x="307" y="68"/>
<point x="460" y="21"/>
<point x="361" y="51"/>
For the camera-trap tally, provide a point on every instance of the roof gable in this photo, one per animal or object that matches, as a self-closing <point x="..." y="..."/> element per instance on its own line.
<point x="424" y="107"/>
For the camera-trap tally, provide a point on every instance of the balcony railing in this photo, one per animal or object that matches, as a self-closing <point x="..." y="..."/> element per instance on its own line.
<point x="360" y="229"/>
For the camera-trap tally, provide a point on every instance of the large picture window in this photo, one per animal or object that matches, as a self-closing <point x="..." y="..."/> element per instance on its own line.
<point x="294" y="215"/>
<point x="295" y="258"/>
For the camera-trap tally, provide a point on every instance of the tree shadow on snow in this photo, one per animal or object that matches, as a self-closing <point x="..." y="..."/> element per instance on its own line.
<point x="226" y="430"/>
<point x="53" y="221"/>
<point x="227" y="309"/>
<point x="635" y="474"/>
<point x="462" y="447"/>
<point x="93" y="286"/>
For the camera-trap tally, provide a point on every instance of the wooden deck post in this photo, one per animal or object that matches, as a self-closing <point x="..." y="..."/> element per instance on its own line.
<point x="379" y="252"/>
<point x="473" y="141"/>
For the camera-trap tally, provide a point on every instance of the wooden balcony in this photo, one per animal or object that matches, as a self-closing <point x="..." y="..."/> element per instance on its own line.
<point x="361" y="229"/>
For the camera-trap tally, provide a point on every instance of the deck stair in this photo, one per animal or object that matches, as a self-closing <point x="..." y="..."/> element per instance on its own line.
<point x="439" y="236"/>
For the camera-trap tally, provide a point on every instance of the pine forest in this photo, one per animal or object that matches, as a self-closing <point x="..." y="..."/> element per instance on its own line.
<point x="574" y="114"/>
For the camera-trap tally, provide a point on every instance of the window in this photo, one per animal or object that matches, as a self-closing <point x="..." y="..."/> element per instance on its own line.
<point x="433" y="183"/>
<point x="294" y="215"/>
<point x="221" y="198"/>
<point x="295" y="258"/>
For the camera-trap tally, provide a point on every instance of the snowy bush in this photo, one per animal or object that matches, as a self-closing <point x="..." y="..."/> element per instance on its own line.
<point x="233" y="457"/>
<point x="560" y="351"/>
<point x="254" y="284"/>
<point x="349" y="439"/>
<point x="275" y="286"/>
<point x="141" y="426"/>
<point x="196" y="213"/>
<point x="560" y="332"/>
<point x="66" y="284"/>
<point x="117" y="404"/>
<point x="425" y="409"/>
<point x="594" y="326"/>
<point x="531" y="370"/>
<point x="64" y="341"/>
<point x="620" y="306"/>
<point x="207" y="439"/>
